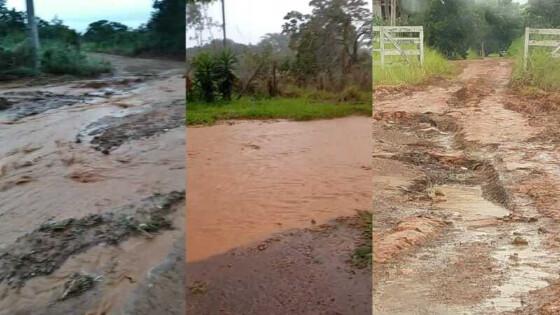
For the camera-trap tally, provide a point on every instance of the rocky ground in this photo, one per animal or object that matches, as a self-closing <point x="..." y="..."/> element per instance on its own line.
<point x="465" y="199"/>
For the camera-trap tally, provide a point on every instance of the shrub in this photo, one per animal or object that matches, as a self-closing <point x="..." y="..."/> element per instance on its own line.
<point x="66" y="60"/>
<point x="214" y="74"/>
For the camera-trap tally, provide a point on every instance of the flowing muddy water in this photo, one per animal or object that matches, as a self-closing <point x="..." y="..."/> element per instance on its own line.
<point x="461" y="225"/>
<point x="250" y="179"/>
<point x="83" y="167"/>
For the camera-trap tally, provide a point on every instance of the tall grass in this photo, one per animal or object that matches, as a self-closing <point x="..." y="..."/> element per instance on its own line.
<point x="400" y="73"/>
<point x="543" y="70"/>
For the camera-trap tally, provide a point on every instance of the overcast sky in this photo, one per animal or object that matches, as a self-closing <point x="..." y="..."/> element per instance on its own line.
<point x="249" y="20"/>
<point x="78" y="14"/>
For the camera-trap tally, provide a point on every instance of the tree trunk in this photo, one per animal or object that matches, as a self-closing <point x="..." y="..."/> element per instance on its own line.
<point x="377" y="9"/>
<point x="33" y="35"/>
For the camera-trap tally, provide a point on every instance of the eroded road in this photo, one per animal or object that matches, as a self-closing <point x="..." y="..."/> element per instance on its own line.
<point x="271" y="217"/>
<point x="466" y="202"/>
<point x="92" y="177"/>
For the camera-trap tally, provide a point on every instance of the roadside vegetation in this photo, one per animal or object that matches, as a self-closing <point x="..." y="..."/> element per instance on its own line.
<point x="363" y="254"/>
<point x="399" y="73"/>
<point x="543" y="70"/>
<point x="161" y="36"/>
<point x="64" y="50"/>
<point x="454" y="30"/>
<point x="282" y="76"/>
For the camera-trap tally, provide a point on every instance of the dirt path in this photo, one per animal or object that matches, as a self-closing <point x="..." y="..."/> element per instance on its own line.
<point x="92" y="178"/>
<point x="464" y="214"/>
<point x="271" y="223"/>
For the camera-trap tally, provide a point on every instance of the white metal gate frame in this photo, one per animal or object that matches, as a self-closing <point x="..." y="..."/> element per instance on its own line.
<point x="554" y="43"/>
<point x="386" y="34"/>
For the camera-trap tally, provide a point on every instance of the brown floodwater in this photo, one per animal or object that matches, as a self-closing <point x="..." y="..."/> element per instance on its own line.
<point x="46" y="175"/>
<point x="249" y="179"/>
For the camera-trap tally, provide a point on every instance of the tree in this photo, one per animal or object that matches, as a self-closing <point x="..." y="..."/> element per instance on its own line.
<point x="543" y="13"/>
<point x="449" y="27"/>
<point x="328" y="41"/>
<point x="104" y="31"/>
<point x="167" y="26"/>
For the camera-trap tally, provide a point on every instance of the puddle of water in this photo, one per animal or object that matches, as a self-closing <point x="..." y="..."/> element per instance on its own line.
<point x="251" y="179"/>
<point x="527" y="268"/>
<point x="469" y="203"/>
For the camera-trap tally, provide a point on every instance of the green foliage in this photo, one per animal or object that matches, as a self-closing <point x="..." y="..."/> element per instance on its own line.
<point x="166" y="28"/>
<point x="300" y="108"/>
<point x="225" y="62"/>
<point x="543" y="14"/>
<point x="455" y="27"/>
<point x="213" y="73"/>
<point x="435" y="65"/>
<point x="58" y="59"/>
<point x="204" y="65"/>
<point x="543" y="70"/>
<point x="163" y="35"/>
<point x="338" y="29"/>
<point x="449" y="26"/>
<point x="57" y="31"/>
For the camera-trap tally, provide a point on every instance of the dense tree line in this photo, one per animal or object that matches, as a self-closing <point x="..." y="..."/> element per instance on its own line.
<point x="62" y="46"/>
<point x="328" y="49"/>
<point x="456" y="26"/>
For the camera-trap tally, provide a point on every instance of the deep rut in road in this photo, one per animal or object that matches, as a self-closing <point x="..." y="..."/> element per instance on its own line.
<point x="457" y="223"/>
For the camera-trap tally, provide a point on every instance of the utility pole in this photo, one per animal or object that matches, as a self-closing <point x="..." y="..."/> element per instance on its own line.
<point x="33" y="35"/>
<point x="224" y="22"/>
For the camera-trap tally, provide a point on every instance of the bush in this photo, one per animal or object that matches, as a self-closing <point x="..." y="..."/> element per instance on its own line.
<point x="66" y="60"/>
<point x="351" y="94"/>
<point x="214" y="74"/>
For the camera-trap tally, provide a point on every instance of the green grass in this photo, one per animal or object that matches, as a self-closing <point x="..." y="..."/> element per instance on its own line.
<point x="362" y="255"/>
<point x="399" y="73"/>
<point x="295" y="108"/>
<point x="543" y="71"/>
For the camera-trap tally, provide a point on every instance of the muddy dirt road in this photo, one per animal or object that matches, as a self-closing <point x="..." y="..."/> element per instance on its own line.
<point x="271" y="217"/>
<point x="466" y="204"/>
<point x="92" y="178"/>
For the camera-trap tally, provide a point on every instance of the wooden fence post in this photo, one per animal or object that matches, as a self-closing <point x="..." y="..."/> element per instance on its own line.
<point x="526" y="48"/>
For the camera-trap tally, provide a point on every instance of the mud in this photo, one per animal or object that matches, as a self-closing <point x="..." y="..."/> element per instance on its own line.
<point x="17" y="105"/>
<point x="44" y="250"/>
<point x="301" y="271"/>
<point x="464" y="197"/>
<point x="109" y="133"/>
<point x="76" y="224"/>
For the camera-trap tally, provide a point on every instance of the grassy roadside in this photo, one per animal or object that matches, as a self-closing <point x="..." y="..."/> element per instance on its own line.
<point x="296" y="108"/>
<point x="399" y="73"/>
<point x="362" y="256"/>
<point x="543" y="71"/>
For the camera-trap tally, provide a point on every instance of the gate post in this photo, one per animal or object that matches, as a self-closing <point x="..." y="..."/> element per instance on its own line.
<point x="526" y="48"/>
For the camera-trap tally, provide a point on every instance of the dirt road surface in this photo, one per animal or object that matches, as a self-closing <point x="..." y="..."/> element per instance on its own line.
<point x="466" y="202"/>
<point x="92" y="178"/>
<point x="271" y="217"/>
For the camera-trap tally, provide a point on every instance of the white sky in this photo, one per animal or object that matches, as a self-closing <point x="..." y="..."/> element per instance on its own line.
<point x="249" y="20"/>
<point x="78" y="14"/>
